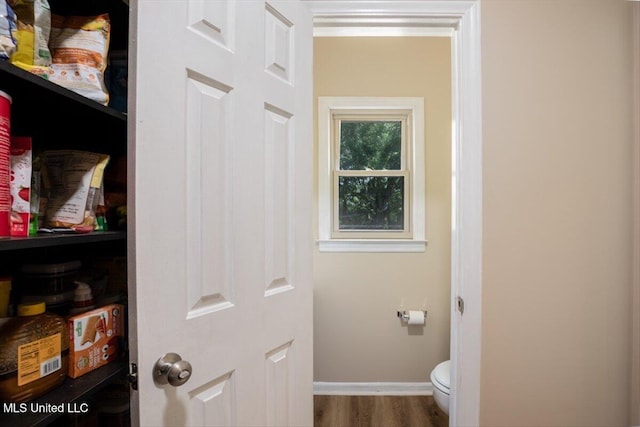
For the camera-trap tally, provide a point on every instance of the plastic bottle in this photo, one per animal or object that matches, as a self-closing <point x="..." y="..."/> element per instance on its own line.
<point x="34" y="353"/>
<point x="82" y="299"/>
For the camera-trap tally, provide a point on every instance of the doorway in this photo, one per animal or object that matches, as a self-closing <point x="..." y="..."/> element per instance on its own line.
<point x="460" y="22"/>
<point x="369" y="284"/>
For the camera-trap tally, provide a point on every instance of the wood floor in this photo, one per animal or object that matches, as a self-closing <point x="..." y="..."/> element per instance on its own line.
<point x="374" y="411"/>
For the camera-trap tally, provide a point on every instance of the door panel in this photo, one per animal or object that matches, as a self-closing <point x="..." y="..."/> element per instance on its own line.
<point x="221" y="130"/>
<point x="209" y="282"/>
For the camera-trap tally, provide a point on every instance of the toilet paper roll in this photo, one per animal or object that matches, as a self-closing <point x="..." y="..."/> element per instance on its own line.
<point x="416" y="317"/>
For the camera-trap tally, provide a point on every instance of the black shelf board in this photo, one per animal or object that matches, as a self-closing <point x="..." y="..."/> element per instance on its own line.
<point x="72" y="391"/>
<point x="15" y="80"/>
<point x="53" y="239"/>
<point x="56" y="117"/>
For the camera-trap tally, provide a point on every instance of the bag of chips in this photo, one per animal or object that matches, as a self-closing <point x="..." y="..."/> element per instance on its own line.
<point x="79" y="47"/>
<point x="34" y="27"/>
<point x="8" y="27"/>
<point x="73" y="179"/>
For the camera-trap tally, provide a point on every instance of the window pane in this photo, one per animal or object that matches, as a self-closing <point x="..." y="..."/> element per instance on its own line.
<point x="368" y="145"/>
<point x="371" y="203"/>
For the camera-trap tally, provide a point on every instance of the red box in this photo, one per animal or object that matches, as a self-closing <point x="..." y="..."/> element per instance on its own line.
<point x="5" y="164"/>
<point x="21" y="166"/>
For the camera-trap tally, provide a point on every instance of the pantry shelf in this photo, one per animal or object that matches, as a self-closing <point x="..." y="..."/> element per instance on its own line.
<point x="30" y="87"/>
<point x="71" y="394"/>
<point x="43" y="110"/>
<point x="56" y="118"/>
<point x="54" y="240"/>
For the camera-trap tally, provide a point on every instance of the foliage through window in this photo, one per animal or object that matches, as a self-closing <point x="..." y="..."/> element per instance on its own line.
<point x="371" y="188"/>
<point x="370" y="177"/>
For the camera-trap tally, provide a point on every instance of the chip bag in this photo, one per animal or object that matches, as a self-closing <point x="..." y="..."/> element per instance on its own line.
<point x="79" y="46"/>
<point x="34" y="28"/>
<point x="8" y="28"/>
<point x="73" y="179"/>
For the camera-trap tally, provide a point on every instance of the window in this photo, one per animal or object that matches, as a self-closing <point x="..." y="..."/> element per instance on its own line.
<point x="371" y="166"/>
<point x="371" y="180"/>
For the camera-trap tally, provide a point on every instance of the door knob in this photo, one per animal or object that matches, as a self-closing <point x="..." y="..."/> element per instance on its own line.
<point x="171" y="369"/>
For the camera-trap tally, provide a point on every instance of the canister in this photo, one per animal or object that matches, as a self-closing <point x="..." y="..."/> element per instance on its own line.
<point x="34" y="353"/>
<point x="52" y="283"/>
<point x="82" y="299"/>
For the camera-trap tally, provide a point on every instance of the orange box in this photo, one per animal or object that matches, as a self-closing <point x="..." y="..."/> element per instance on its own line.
<point x="95" y="338"/>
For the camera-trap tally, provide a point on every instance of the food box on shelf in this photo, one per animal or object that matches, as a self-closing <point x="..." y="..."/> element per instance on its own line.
<point x="95" y="337"/>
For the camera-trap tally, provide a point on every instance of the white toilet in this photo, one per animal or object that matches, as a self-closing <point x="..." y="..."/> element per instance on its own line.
<point x="441" y="380"/>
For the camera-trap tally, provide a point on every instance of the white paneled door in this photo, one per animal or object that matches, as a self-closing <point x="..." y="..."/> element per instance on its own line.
<point x="221" y="186"/>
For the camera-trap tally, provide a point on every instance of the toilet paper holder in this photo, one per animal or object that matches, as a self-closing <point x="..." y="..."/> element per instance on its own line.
<point x="404" y="315"/>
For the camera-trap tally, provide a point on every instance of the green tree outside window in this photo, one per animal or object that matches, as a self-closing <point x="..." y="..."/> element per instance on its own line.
<point x="374" y="202"/>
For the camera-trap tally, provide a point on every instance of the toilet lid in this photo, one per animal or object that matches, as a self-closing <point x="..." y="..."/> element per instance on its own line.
<point x="441" y="375"/>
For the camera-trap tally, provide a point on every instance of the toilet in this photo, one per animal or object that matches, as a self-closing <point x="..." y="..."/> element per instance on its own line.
<point x="441" y="380"/>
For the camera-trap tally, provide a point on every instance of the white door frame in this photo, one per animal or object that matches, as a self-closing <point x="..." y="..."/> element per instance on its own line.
<point x="461" y="21"/>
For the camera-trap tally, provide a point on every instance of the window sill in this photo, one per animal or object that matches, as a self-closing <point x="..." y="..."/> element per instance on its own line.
<point x="390" y="245"/>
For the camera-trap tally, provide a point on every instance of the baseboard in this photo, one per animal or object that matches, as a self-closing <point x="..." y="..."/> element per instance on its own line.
<point x="370" y="389"/>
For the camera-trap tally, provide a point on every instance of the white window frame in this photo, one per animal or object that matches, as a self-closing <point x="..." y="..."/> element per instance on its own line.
<point x="329" y="238"/>
<point x="368" y="115"/>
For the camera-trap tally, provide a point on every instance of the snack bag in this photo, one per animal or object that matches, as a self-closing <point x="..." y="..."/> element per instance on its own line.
<point x="8" y="28"/>
<point x="20" y="185"/>
<point x="79" y="46"/>
<point x="74" y="178"/>
<point x="34" y="202"/>
<point x="34" y="28"/>
<point x="99" y="210"/>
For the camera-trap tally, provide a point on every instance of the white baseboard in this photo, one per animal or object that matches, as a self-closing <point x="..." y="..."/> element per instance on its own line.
<point x="371" y="389"/>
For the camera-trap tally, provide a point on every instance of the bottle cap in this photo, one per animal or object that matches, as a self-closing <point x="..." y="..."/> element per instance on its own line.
<point x="31" y="308"/>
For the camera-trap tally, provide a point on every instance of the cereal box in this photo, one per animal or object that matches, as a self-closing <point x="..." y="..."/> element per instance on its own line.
<point x="94" y="338"/>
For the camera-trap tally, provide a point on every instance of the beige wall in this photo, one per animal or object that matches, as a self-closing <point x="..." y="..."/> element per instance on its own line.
<point x="357" y="336"/>
<point x="557" y="135"/>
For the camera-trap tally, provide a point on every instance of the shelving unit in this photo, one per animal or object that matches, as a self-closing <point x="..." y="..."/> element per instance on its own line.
<point x="59" y="239"/>
<point x="72" y="391"/>
<point x="58" y="118"/>
<point x="34" y="89"/>
<point x="46" y="112"/>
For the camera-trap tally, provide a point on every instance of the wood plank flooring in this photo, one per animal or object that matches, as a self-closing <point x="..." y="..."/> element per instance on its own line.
<point x="374" y="411"/>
